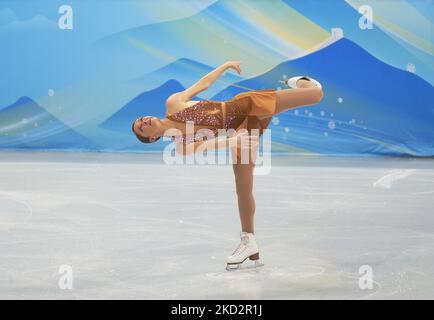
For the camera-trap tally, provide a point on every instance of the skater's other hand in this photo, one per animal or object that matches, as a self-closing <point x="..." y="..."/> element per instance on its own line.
<point x="245" y="141"/>
<point x="245" y="146"/>
<point x="234" y="65"/>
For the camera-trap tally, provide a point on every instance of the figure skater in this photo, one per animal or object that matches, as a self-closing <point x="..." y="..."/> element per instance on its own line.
<point x="247" y="110"/>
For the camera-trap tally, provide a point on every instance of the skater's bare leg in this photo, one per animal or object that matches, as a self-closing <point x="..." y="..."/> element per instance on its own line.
<point x="248" y="248"/>
<point x="307" y="94"/>
<point x="246" y="202"/>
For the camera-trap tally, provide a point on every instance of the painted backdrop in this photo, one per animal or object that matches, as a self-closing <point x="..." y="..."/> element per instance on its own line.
<point x="74" y="74"/>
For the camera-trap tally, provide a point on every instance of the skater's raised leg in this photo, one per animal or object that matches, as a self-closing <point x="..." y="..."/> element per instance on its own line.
<point x="307" y="93"/>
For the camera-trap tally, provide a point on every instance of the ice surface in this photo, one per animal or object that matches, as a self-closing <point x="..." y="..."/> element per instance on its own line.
<point x="132" y="227"/>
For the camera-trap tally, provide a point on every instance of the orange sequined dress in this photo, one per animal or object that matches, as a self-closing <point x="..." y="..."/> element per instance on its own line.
<point x="239" y="112"/>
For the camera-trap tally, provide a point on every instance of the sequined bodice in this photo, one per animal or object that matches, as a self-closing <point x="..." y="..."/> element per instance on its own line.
<point x="209" y="113"/>
<point x="202" y="113"/>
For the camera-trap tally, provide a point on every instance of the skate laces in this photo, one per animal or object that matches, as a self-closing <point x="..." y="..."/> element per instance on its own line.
<point x="241" y="246"/>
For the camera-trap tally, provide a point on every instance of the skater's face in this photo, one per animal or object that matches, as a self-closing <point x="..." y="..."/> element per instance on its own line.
<point x="147" y="128"/>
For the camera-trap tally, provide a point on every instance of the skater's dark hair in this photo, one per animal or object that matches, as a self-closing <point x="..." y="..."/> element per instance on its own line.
<point x="141" y="138"/>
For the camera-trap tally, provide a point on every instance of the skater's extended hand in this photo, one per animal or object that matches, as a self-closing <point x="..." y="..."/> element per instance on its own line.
<point x="243" y="140"/>
<point x="244" y="147"/>
<point x="234" y="65"/>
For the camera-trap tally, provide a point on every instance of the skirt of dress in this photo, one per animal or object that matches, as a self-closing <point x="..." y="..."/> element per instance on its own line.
<point x="252" y="104"/>
<point x="257" y="102"/>
<point x="252" y="122"/>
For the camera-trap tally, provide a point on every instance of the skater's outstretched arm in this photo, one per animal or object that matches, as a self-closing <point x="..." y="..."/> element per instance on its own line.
<point x="211" y="77"/>
<point x="204" y="83"/>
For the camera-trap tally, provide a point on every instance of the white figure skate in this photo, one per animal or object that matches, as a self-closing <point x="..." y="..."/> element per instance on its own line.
<point x="292" y="82"/>
<point x="246" y="249"/>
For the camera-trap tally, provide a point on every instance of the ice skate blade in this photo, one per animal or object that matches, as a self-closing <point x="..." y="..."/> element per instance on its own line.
<point x="246" y="266"/>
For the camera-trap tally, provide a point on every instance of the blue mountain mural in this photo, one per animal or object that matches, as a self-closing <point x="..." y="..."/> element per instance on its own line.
<point x="91" y="82"/>
<point x="187" y="72"/>
<point x="26" y="125"/>
<point x="392" y="51"/>
<point x="369" y="106"/>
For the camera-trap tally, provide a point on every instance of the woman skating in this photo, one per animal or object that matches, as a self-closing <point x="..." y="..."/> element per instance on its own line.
<point x="248" y="110"/>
